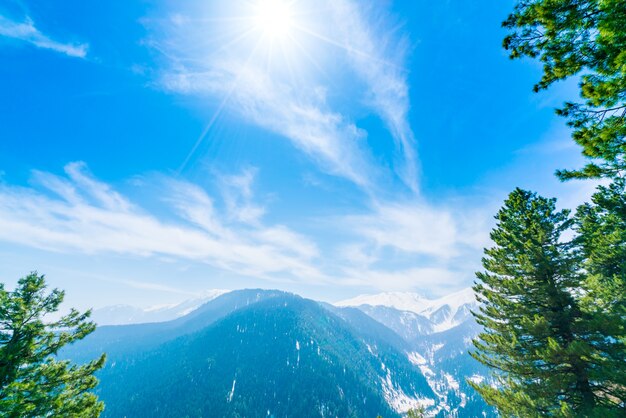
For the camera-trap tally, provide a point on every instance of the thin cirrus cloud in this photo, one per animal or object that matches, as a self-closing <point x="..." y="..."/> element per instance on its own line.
<point x="377" y="55"/>
<point x="420" y="229"/>
<point x="274" y="85"/>
<point x="78" y="213"/>
<point x="437" y="280"/>
<point x="27" y="32"/>
<point x="302" y="117"/>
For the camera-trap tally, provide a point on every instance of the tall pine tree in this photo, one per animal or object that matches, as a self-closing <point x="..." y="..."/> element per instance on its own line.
<point x="587" y="39"/>
<point x="601" y="227"/>
<point x="33" y="382"/>
<point x="546" y="351"/>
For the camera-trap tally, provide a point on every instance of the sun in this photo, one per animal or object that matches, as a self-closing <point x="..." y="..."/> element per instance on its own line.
<point x="274" y="18"/>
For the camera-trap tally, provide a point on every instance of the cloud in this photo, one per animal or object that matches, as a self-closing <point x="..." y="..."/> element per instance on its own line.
<point x="298" y="114"/>
<point x="27" y="32"/>
<point x="238" y="196"/>
<point x="421" y="229"/>
<point x="268" y="82"/>
<point x="434" y="279"/>
<point x="77" y="213"/>
<point x="377" y="53"/>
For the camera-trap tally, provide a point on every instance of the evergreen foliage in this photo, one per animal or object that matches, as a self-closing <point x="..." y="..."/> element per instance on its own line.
<point x="552" y="357"/>
<point x="418" y="412"/>
<point x="601" y="227"/>
<point x="33" y="383"/>
<point x="585" y="38"/>
<point x="554" y="311"/>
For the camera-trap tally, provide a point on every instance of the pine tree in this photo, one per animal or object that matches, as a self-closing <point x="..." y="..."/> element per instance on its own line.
<point x="417" y="412"/>
<point x="545" y="349"/>
<point x="585" y="38"/>
<point x="33" y="382"/>
<point x="601" y="227"/>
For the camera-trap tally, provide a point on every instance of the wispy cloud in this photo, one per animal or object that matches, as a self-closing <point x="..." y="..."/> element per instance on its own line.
<point x="280" y="87"/>
<point x="377" y="54"/>
<point x="421" y="229"/>
<point x="77" y="213"/>
<point x="27" y="32"/>
<point x="397" y="246"/>
<point x="299" y="114"/>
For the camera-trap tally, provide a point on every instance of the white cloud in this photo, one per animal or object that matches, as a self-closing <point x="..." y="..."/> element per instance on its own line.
<point x="422" y="229"/>
<point x="27" y="32"/>
<point x="77" y="213"/>
<point x="238" y="196"/>
<point x="376" y="53"/>
<point x="270" y="84"/>
<point x="435" y="279"/>
<point x="299" y="114"/>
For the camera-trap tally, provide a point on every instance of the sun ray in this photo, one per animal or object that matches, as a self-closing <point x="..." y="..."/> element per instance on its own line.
<point x="347" y="48"/>
<point x="219" y="110"/>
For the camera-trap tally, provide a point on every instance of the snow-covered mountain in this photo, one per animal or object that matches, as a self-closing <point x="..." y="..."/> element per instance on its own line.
<point x="127" y="314"/>
<point x="439" y="333"/>
<point x="440" y="314"/>
<point x="410" y="338"/>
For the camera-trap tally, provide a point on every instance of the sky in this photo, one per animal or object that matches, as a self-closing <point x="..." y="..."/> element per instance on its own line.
<point x="151" y="150"/>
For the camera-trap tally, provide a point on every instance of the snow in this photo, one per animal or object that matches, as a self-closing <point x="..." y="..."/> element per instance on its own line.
<point x="398" y="400"/>
<point x="452" y="382"/>
<point x="232" y="391"/>
<point x="476" y="378"/>
<point x="298" y="350"/>
<point x="436" y="347"/>
<point x="416" y="303"/>
<point x="418" y="360"/>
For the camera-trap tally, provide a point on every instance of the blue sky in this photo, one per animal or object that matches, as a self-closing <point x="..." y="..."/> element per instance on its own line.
<point x="150" y="150"/>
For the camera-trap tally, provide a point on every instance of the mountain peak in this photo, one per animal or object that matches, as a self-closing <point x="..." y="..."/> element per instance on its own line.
<point x="412" y="301"/>
<point x="441" y="312"/>
<point x="403" y="301"/>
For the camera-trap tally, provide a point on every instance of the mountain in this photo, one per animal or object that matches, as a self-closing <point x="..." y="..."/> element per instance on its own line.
<point x="409" y="325"/>
<point x="126" y="314"/>
<point x="123" y="340"/>
<point x="257" y="353"/>
<point x="441" y="314"/>
<point x="438" y="334"/>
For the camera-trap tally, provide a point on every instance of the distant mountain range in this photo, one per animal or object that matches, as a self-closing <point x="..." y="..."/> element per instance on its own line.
<point x="127" y="314"/>
<point x="440" y="314"/>
<point x="263" y="353"/>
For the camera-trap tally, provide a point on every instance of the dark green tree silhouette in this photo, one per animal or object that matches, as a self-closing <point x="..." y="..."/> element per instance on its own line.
<point x="33" y="383"/>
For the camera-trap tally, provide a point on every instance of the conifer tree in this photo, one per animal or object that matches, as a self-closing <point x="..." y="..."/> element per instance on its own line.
<point x="33" y="382"/>
<point x="601" y="227"/>
<point x="547" y="353"/>
<point x="585" y="38"/>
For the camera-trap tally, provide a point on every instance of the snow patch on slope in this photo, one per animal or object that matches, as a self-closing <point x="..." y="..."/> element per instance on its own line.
<point x="398" y="399"/>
